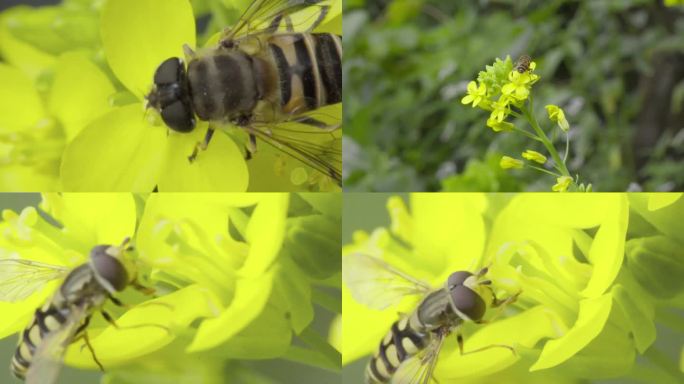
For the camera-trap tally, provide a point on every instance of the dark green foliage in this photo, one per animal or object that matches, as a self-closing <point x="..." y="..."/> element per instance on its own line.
<point x="615" y="67"/>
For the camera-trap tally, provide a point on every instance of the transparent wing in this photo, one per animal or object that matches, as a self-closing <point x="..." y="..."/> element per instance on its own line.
<point x="377" y="284"/>
<point x="268" y="16"/>
<point x="420" y="368"/>
<point x="21" y="278"/>
<point x="47" y="361"/>
<point x="316" y="147"/>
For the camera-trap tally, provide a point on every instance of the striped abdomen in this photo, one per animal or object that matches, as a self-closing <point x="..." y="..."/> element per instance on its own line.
<point x="291" y="74"/>
<point x="406" y="338"/>
<point x="309" y="70"/>
<point x="47" y="319"/>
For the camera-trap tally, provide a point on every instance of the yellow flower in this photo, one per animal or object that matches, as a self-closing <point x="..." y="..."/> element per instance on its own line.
<point x="534" y="156"/>
<point x="510" y="163"/>
<point x="475" y="94"/>
<point x="499" y="126"/>
<point x="557" y="116"/>
<point x="500" y="109"/>
<point x="562" y="184"/>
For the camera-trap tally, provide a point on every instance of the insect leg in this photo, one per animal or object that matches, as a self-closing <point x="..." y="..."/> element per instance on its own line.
<point x="500" y="304"/>
<point x="86" y="339"/>
<point x="459" y="338"/>
<point x="118" y="302"/>
<point x="202" y="145"/>
<point x="141" y="288"/>
<point x="250" y="147"/>
<point x="111" y="321"/>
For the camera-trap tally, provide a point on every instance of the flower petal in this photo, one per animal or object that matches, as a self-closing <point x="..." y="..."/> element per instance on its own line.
<point x="20" y="104"/>
<point x="265" y="233"/>
<point x="251" y="295"/>
<point x="441" y="248"/>
<point x="591" y="319"/>
<point x="137" y="35"/>
<point x="117" y="152"/>
<point x="77" y="106"/>
<point x="662" y="200"/>
<point x="93" y="218"/>
<point x="221" y="167"/>
<point x="608" y="248"/>
<point x="24" y="56"/>
<point x="116" y="346"/>
<point x="538" y="323"/>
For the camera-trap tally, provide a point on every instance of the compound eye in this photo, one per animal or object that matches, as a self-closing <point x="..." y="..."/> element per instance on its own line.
<point x="168" y="72"/>
<point x="468" y="302"/>
<point x="457" y="278"/>
<point x="178" y="117"/>
<point x="108" y="270"/>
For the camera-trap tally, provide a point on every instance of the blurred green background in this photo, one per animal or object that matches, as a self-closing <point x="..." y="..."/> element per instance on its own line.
<point x="616" y="67"/>
<point x="274" y="371"/>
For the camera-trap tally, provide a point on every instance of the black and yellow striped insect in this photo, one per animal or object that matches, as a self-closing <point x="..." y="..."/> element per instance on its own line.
<point x="408" y="353"/>
<point x="268" y="75"/>
<point x="523" y="64"/>
<point x="64" y="318"/>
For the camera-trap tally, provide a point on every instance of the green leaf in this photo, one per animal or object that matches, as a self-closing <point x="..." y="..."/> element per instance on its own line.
<point x="293" y="293"/>
<point x="322" y="354"/>
<point x="117" y="152"/>
<point x="657" y="263"/>
<point x="220" y="168"/>
<point x="329" y="204"/>
<point x="639" y="314"/>
<point x="76" y="106"/>
<point x="313" y="242"/>
<point x="593" y="314"/>
<point x="137" y="35"/>
<point x="266" y="337"/>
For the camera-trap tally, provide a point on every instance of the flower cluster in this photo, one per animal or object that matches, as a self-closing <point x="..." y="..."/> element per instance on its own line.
<point x="588" y="298"/>
<point x="238" y="276"/>
<point x="499" y="88"/>
<point x="504" y="90"/>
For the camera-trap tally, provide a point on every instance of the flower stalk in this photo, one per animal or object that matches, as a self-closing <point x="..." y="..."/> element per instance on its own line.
<point x="505" y="90"/>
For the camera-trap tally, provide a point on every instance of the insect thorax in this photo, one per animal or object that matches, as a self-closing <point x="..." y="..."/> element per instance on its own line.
<point x="80" y="286"/>
<point x="223" y="85"/>
<point x="435" y="311"/>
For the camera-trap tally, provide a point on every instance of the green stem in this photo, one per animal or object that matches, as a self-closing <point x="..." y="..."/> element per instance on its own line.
<point x="567" y="147"/>
<point x="528" y="134"/>
<point x="542" y="170"/>
<point x="529" y="115"/>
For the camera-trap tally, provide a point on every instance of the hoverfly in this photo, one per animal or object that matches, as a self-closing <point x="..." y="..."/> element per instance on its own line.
<point x="408" y="353"/>
<point x="265" y="78"/>
<point x="64" y="319"/>
<point x="523" y="64"/>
